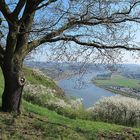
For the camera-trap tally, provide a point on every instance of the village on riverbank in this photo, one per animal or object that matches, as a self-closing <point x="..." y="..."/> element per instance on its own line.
<point x="119" y="84"/>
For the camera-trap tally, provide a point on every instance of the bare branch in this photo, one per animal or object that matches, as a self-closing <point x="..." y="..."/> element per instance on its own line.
<point x="5" y="10"/>
<point x="128" y="11"/>
<point x="94" y="44"/>
<point x="19" y="7"/>
<point x="25" y="23"/>
<point x="49" y="36"/>
<point x="45" y="4"/>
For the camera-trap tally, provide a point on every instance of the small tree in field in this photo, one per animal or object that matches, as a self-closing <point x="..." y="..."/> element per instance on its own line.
<point x="98" y="25"/>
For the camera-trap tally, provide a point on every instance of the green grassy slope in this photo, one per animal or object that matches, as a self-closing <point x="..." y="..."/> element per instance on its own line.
<point x="35" y="78"/>
<point x="119" y="80"/>
<point x="39" y="123"/>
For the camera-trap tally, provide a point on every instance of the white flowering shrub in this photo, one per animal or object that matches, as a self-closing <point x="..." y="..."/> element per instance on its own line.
<point x="119" y="110"/>
<point x="43" y="96"/>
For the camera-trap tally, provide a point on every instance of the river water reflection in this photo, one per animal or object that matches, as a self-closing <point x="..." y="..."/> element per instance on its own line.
<point x="83" y="88"/>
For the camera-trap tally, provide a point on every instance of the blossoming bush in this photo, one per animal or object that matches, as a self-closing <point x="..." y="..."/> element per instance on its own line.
<point x="119" y="110"/>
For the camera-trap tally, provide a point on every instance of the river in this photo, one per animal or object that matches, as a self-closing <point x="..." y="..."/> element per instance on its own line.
<point x="83" y="88"/>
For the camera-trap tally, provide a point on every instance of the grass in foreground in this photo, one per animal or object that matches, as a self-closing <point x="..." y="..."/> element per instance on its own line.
<point x="39" y="123"/>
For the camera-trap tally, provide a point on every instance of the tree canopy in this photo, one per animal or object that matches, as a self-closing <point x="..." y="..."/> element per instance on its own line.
<point x="100" y="24"/>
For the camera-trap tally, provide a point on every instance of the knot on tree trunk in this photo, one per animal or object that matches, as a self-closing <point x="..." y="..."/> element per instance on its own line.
<point x="21" y="81"/>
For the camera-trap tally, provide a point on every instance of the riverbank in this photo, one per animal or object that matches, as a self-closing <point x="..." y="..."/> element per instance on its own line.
<point x="133" y="95"/>
<point x="120" y="85"/>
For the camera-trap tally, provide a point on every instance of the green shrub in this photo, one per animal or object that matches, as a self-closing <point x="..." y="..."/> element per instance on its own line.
<point x="71" y="113"/>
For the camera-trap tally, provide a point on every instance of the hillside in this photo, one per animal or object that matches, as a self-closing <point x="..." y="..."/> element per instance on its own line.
<point x="40" y="123"/>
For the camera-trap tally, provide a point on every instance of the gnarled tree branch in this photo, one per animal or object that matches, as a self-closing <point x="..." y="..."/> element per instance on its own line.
<point x="19" y="7"/>
<point x="46" y="4"/>
<point x="36" y="43"/>
<point x="6" y="11"/>
<point x="94" y="44"/>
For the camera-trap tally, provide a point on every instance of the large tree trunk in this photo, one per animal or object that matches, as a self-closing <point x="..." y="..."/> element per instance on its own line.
<point x="14" y="82"/>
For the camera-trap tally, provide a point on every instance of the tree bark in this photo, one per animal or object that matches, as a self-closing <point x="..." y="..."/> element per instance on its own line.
<point x="14" y="83"/>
